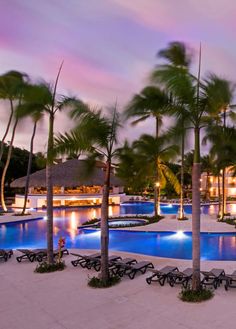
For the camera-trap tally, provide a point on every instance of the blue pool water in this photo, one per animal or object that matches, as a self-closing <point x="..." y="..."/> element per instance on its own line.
<point x="32" y="234"/>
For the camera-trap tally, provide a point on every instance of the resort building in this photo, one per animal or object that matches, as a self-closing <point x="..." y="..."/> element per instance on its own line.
<point x="210" y="183"/>
<point x="72" y="186"/>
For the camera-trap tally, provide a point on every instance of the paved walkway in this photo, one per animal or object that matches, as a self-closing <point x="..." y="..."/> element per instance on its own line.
<point x="62" y="300"/>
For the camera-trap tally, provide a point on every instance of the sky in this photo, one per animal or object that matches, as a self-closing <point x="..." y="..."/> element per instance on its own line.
<point x="108" y="47"/>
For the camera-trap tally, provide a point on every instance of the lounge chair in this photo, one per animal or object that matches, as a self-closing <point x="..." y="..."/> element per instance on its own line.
<point x="96" y="263"/>
<point x="84" y="260"/>
<point x="230" y="280"/>
<point x="161" y="275"/>
<point x="213" y="277"/>
<point x="132" y="270"/>
<point x="31" y="254"/>
<point x="115" y="267"/>
<point x="43" y="254"/>
<point x="178" y="277"/>
<point x="5" y="254"/>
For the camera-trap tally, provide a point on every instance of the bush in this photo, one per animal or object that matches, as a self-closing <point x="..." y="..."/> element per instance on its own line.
<point x="47" y="268"/>
<point x="192" y="296"/>
<point x="96" y="282"/>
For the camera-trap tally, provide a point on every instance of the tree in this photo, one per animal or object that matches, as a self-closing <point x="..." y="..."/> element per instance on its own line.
<point x="96" y="135"/>
<point x="12" y="88"/>
<point x="151" y="102"/>
<point x="222" y="141"/>
<point x="22" y="111"/>
<point x="10" y="83"/>
<point x="153" y="154"/>
<point x="46" y="101"/>
<point x="130" y="170"/>
<point x="201" y="99"/>
<point x="207" y="165"/>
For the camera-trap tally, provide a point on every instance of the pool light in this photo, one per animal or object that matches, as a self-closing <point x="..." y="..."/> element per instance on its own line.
<point x="180" y="234"/>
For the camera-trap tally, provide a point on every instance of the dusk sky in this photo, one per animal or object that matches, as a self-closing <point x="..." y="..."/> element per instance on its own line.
<point x="108" y="46"/>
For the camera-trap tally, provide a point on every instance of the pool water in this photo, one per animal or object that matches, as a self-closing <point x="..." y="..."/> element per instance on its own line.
<point x="32" y="234"/>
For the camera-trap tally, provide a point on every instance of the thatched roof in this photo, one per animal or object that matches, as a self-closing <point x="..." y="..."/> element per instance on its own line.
<point x="71" y="173"/>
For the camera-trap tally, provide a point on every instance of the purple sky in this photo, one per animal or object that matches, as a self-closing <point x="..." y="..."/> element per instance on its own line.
<point x="108" y="46"/>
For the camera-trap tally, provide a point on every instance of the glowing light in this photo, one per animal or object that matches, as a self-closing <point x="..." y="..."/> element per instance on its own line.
<point x="45" y="217"/>
<point x="180" y="235"/>
<point x="157" y="184"/>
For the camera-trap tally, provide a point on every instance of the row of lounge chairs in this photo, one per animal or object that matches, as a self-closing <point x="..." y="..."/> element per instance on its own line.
<point x="38" y="254"/>
<point x="170" y="274"/>
<point x="130" y="267"/>
<point x="117" y="265"/>
<point x="30" y="254"/>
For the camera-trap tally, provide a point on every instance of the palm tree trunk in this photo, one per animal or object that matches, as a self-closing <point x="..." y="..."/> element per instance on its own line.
<point x="219" y="196"/>
<point x="6" y="166"/>
<point x="156" y="183"/>
<point x="196" y="174"/>
<point x="104" y="224"/>
<point x="50" y="191"/>
<point x="7" y="130"/>
<point x="223" y="196"/>
<point x="207" y="194"/>
<point x="181" y="206"/>
<point x="29" y="167"/>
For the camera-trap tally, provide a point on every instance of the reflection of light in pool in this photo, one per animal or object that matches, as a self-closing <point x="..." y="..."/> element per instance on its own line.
<point x="73" y="225"/>
<point x="45" y="217"/>
<point x="95" y="235"/>
<point x="180" y="235"/>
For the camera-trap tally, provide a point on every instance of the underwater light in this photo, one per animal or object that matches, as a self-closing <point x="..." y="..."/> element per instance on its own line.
<point x="180" y="234"/>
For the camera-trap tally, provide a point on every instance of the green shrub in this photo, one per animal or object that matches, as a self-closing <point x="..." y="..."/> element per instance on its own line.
<point x="47" y="268"/>
<point x="192" y="296"/>
<point x="150" y="219"/>
<point x="96" y="282"/>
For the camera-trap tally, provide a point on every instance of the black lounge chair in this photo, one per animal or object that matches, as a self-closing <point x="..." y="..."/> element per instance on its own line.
<point x="213" y="277"/>
<point x="96" y="263"/>
<point x="84" y="260"/>
<point x="132" y="270"/>
<point x="161" y="275"/>
<point x="38" y="254"/>
<point x="31" y="254"/>
<point x="115" y="267"/>
<point x="5" y="254"/>
<point x="178" y="277"/>
<point x="43" y="254"/>
<point x="230" y="280"/>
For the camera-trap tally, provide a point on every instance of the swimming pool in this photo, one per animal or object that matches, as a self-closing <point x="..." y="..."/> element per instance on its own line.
<point x="32" y="234"/>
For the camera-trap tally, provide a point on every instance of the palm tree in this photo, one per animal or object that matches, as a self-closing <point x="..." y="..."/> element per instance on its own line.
<point x="129" y="169"/>
<point x="178" y="55"/>
<point x="10" y="84"/>
<point x="45" y="100"/>
<point x="153" y="154"/>
<point x="12" y="88"/>
<point x="96" y="135"/>
<point x="200" y="100"/>
<point x="207" y="165"/>
<point x="222" y="141"/>
<point x="29" y="95"/>
<point x="151" y="102"/>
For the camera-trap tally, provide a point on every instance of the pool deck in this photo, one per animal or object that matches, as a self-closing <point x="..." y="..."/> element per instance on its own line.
<point x="62" y="300"/>
<point x="10" y="218"/>
<point x="209" y="223"/>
